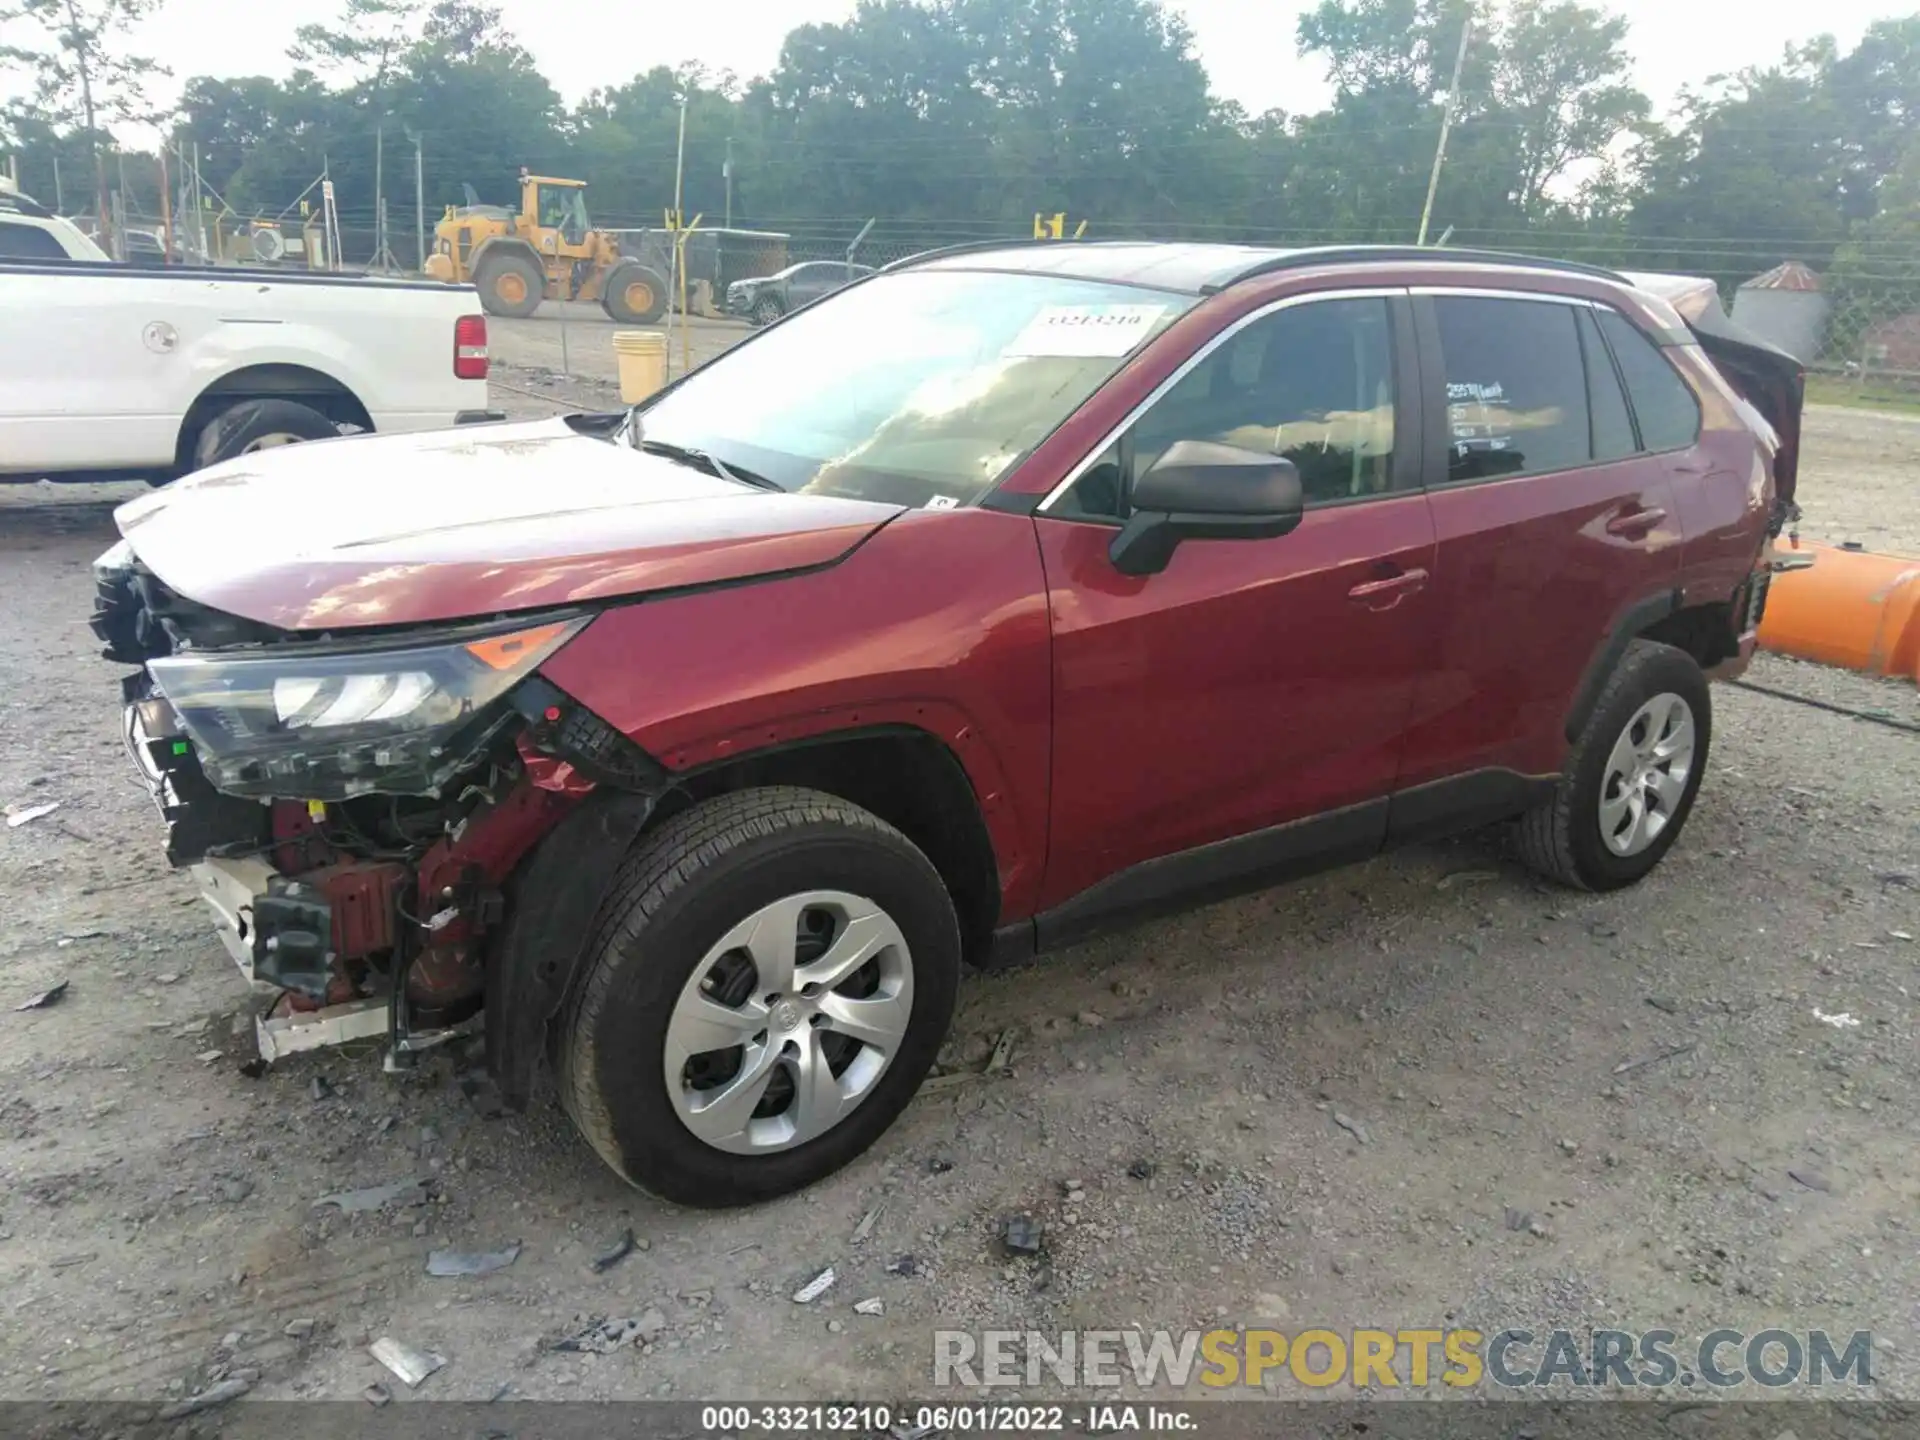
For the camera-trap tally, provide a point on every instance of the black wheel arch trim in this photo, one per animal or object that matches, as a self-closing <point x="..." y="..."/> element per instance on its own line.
<point x="1647" y="611"/>
<point x="555" y="899"/>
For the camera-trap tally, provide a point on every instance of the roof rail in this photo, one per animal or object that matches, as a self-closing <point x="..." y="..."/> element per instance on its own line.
<point x="968" y="247"/>
<point x="1349" y="254"/>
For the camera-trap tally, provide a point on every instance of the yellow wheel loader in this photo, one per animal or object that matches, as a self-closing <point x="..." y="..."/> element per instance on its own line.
<point x="547" y="250"/>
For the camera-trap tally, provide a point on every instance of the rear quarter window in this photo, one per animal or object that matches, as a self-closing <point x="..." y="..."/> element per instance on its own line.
<point x="1613" y="437"/>
<point x="1663" y="404"/>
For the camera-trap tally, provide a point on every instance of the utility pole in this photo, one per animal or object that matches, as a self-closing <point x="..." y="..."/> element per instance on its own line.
<point x="379" y="191"/>
<point x="383" y="259"/>
<point x="59" y="197"/>
<point x="419" y="204"/>
<point x="1446" y="125"/>
<point x="200" y="204"/>
<point x="166" y="209"/>
<point x="676" y="259"/>
<point x="121" y="251"/>
<point x="726" y="169"/>
<point x="680" y="161"/>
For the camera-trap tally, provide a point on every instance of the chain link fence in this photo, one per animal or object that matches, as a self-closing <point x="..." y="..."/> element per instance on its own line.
<point x="1850" y="312"/>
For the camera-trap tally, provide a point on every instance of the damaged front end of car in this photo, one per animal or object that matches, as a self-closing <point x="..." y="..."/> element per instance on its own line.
<point x="404" y="832"/>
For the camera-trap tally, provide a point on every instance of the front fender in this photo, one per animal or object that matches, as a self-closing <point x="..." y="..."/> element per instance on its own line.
<point x="938" y="623"/>
<point x="233" y="347"/>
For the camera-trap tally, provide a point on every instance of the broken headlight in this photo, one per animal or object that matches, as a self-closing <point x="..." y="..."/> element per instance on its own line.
<point x="328" y="722"/>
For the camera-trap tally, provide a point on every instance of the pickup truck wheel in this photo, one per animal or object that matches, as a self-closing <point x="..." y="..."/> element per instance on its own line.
<point x="259" y="425"/>
<point x="510" y="285"/>
<point x="768" y="982"/>
<point x="633" y="294"/>
<point x="1631" y="778"/>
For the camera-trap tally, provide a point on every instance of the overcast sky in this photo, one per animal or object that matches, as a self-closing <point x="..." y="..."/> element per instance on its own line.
<point x="1247" y="45"/>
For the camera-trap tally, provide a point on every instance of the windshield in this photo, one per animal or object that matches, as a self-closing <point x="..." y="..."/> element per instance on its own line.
<point x="564" y="208"/>
<point x="919" y="389"/>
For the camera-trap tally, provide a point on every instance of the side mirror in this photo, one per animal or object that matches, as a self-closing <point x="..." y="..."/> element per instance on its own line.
<point x="1199" y="490"/>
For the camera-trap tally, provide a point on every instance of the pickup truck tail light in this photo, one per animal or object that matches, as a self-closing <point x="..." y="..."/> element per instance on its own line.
<point x="470" y="347"/>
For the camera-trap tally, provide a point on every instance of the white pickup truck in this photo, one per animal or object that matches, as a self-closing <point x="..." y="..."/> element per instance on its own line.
<point x="111" y="372"/>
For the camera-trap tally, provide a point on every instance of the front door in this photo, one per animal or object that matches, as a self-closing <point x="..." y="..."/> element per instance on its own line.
<point x="1251" y="683"/>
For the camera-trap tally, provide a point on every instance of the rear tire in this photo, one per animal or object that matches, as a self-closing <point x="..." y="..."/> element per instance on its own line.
<point x="251" y="425"/>
<point x="670" y="929"/>
<point x="510" y="284"/>
<point x="633" y="294"/>
<point x="1631" y="778"/>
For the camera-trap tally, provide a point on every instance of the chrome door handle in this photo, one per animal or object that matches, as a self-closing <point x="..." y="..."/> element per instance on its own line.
<point x="1635" y="522"/>
<point x="1405" y="583"/>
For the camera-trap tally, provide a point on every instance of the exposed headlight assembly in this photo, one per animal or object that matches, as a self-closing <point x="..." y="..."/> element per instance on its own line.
<point x="326" y="722"/>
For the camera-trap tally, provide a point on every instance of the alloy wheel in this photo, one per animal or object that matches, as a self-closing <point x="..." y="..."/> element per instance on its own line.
<point x="788" y="1022"/>
<point x="1646" y="775"/>
<point x="271" y="441"/>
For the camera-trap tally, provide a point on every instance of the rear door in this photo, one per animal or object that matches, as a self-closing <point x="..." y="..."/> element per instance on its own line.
<point x="1552" y="528"/>
<point x="1251" y="683"/>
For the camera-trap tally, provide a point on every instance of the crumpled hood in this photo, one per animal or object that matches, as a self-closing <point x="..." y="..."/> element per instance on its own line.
<point x="453" y="524"/>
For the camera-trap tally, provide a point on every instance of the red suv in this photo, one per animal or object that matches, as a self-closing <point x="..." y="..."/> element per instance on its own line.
<point x="1007" y="594"/>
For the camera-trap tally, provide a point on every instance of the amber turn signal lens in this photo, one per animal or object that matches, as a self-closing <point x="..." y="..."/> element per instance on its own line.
<point x="503" y="652"/>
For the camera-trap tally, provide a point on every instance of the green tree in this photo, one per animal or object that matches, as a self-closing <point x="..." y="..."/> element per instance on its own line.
<point x="1754" y="173"/>
<point x="626" y="139"/>
<point x="1543" y="93"/>
<point x="84" y="76"/>
<point x="1876" y="92"/>
<point x="1559" y="86"/>
<point x="365" y="46"/>
<point x="1876" y="272"/>
<point x="479" y="103"/>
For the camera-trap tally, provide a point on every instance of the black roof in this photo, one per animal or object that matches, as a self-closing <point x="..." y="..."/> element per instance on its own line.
<point x="1201" y="268"/>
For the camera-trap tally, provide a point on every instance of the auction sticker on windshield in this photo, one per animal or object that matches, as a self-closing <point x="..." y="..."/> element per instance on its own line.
<point x="1085" y="330"/>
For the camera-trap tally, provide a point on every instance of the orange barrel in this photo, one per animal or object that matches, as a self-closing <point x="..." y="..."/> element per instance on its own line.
<point x="1851" y="608"/>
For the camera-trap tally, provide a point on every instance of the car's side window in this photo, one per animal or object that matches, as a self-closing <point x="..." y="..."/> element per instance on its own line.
<point x="1668" y="413"/>
<point x="1613" y="437"/>
<point x="1311" y="382"/>
<point x="29" y="242"/>
<point x="1516" y="387"/>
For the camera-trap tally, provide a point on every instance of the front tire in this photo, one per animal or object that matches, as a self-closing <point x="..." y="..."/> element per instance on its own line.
<point x="1631" y="778"/>
<point x="633" y="294"/>
<point x="766" y="310"/>
<point x="769" y="981"/>
<point x="510" y="285"/>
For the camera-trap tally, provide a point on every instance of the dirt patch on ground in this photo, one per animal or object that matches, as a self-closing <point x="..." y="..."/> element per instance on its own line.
<point x="1862" y="479"/>
<point x="1468" y="1023"/>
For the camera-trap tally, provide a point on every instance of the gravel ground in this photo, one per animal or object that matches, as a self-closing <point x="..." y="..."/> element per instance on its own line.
<point x="157" y="1219"/>
<point x="1861" y="478"/>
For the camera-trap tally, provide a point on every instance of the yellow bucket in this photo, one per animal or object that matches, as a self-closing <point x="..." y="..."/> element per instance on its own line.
<point x="1852" y="608"/>
<point x="642" y="356"/>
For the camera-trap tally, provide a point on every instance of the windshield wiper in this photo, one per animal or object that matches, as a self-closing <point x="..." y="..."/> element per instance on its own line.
<point x="701" y="460"/>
